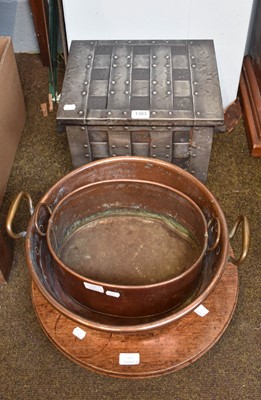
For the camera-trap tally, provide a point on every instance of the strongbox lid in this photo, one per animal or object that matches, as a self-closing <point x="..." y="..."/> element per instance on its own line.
<point x="141" y="83"/>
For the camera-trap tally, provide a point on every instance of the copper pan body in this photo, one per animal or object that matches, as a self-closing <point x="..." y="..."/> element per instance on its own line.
<point x="134" y="168"/>
<point x="127" y="247"/>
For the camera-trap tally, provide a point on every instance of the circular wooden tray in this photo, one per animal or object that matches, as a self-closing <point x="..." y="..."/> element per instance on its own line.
<point x="151" y="353"/>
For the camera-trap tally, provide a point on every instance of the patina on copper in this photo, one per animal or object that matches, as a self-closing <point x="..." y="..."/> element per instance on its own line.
<point x="127" y="247"/>
<point x="40" y="263"/>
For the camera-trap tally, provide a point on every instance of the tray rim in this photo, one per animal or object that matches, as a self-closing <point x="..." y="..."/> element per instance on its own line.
<point x="211" y="327"/>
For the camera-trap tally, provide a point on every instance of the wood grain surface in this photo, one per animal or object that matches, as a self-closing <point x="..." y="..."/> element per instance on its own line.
<point x="161" y="351"/>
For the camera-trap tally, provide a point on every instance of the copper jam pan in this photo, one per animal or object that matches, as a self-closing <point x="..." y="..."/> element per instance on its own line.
<point x="48" y="280"/>
<point x="127" y="247"/>
<point x="140" y="168"/>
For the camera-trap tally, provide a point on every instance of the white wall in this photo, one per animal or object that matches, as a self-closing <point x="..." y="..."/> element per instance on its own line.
<point x="16" y="21"/>
<point x="224" y="21"/>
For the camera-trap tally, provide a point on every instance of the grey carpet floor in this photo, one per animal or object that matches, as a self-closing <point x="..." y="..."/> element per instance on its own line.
<point x="32" y="368"/>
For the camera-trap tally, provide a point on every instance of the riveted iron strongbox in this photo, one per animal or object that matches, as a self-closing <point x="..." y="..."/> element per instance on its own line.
<point x="145" y="98"/>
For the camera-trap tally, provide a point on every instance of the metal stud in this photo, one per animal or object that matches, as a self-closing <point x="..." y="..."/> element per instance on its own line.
<point x="88" y="66"/>
<point x="167" y="155"/>
<point x="86" y="82"/>
<point x="170" y="112"/>
<point x="129" y="57"/>
<point x="168" y="146"/>
<point x="193" y="65"/>
<point x="168" y="82"/>
<point x="128" y="65"/>
<point x="154" y="56"/>
<point x="154" y="82"/>
<point x="83" y="128"/>
<point x="126" y="92"/>
<point x="154" y="146"/>
<point x="167" y="65"/>
<point x="90" y="57"/>
<point x="113" y="146"/>
<point x="195" y="93"/>
<point x="154" y="92"/>
<point x="114" y="65"/>
<point x="127" y="146"/>
<point x="115" y="57"/>
<point x="167" y="57"/>
<point x="127" y="82"/>
<point x="85" y="145"/>
<point x="124" y="112"/>
<point x="154" y="113"/>
<point x="87" y="155"/>
<point x="109" y="113"/>
<point x="168" y="92"/>
<point x="84" y="93"/>
<point x="154" y="155"/>
<point x="113" y="82"/>
<point x="112" y="92"/>
<point x="126" y="128"/>
<point x="195" y="83"/>
<point x="153" y="65"/>
<point x="80" y="112"/>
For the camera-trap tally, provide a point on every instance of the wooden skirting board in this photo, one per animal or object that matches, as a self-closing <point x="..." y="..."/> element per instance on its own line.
<point x="148" y="354"/>
<point x="251" y="106"/>
<point x="6" y="259"/>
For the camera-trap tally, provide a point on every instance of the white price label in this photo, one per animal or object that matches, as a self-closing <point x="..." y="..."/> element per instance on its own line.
<point x="112" y="294"/>
<point x="69" y="107"/>
<point x="140" y="114"/>
<point x="79" y="333"/>
<point x="95" y="288"/>
<point x="201" y="310"/>
<point x="129" y="358"/>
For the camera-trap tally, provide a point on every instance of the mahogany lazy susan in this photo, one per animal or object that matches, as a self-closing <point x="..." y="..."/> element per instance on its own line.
<point x="144" y="354"/>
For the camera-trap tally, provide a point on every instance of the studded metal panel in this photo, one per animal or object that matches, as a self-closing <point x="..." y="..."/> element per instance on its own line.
<point x="156" y="99"/>
<point x="143" y="83"/>
<point x="189" y="148"/>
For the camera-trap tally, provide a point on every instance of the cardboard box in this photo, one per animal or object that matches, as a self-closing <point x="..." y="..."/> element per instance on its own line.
<point x="12" y="110"/>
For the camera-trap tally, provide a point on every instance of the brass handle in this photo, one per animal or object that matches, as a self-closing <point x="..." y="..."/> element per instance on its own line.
<point x="242" y="219"/>
<point x="12" y="212"/>
<point x="39" y="228"/>
<point x="217" y="227"/>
